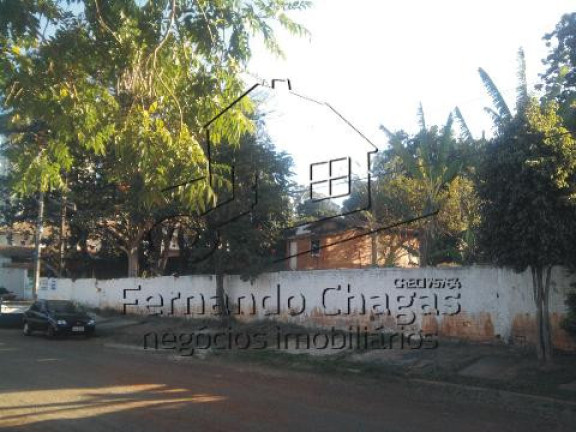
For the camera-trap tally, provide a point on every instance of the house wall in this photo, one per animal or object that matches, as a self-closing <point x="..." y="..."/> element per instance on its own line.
<point x="354" y="253"/>
<point x="14" y="279"/>
<point x="477" y="303"/>
<point x="344" y="253"/>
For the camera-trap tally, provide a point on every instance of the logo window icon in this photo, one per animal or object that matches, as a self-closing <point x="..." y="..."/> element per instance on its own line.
<point x="330" y="179"/>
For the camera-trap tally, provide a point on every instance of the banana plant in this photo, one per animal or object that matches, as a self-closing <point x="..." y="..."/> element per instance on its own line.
<point x="501" y="113"/>
<point x="432" y="159"/>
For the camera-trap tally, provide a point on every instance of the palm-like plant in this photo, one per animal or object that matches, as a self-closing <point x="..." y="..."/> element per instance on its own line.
<point x="501" y="113"/>
<point x="431" y="158"/>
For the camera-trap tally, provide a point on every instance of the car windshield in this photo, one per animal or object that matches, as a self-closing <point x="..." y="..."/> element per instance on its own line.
<point x="61" y="306"/>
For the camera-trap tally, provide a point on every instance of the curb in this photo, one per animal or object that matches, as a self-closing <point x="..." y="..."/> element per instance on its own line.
<point x="125" y="346"/>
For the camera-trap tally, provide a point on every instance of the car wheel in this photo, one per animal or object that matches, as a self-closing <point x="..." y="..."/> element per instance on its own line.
<point x="50" y="332"/>
<point x="27" y="331"/>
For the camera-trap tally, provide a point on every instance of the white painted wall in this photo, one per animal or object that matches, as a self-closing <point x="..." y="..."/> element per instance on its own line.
<point x="500" y="293"/>
<point x="14" y="279"/>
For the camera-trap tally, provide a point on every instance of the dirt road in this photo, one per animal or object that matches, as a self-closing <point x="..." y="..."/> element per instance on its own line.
<point x="81" y="385"/>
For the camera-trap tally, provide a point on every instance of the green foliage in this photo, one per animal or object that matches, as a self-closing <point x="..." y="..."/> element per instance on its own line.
<point x="560" y="75"/>
<point x="421" y="174"/>
<point x="308" y="210"/>
<point x="249" y="244"/>
<point x="123" y="89"/>
<point x="133" y="80"/>
<point x="21" y="20"/>
<point x="430" y="157"/>
<point x="501" y="114"/>
<point x="527" y="179"/>
<point x="569" y="321"/>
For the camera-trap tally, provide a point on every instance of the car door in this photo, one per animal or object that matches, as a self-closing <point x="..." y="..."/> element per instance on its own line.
<point x="31" y="316"/>
<point x="42" y="316"/>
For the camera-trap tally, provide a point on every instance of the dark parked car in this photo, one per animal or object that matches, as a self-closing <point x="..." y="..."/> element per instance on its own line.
<point x="57" y="317"/>
<point x="6" y="295"/>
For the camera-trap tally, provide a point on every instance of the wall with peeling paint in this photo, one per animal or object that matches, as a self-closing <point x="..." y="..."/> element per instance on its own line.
<point x="476" y="303"/>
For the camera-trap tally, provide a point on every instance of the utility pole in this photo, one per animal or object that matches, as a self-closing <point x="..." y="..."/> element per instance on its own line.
<point x="38" y="244"/>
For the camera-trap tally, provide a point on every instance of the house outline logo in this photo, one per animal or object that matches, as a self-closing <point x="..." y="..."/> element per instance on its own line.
<point x="315" y="181"/>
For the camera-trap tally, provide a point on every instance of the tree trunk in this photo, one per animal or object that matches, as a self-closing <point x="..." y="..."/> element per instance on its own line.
<point x="220" y="292"/>
<point x="38" y="245"/>
<point x="183" y="251"/>
<point x="164" y="254"/>
<point x="133" y="264"/>
<point x="424" y="240"/>
<point x="130" y="243"/>
<point x="62" y="246"/>
<point x="541" y="287"/>
<point x="426" y="235"/>
<point x="84" y="249"/>
<point x="546" y="327"/>
<point x="374" y="238"/>
<point x="160" y="248"/>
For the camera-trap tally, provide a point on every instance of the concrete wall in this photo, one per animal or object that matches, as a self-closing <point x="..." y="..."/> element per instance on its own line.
<point x="473" y="303"/>
<point x="14" y="279"/>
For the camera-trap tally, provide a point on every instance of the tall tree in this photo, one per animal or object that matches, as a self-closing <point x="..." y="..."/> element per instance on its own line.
<point x="250" y="227"/>
<point x="527" y="213"/>
<point x="527" y="218"/>
<point x="245" y="236"/>
<point x="132" y="83"/>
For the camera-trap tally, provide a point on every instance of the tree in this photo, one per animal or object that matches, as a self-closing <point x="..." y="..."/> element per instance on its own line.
<point x="248" y="227"/>
<point x="527" y="216"/>
<point x="251" y="227"/>
<point x="526" y="187"/>
<point x="501" y="113"/>
<point x="245" y="235"/>
<point x="309" y="211"/>
<point x="429" y="162"/>
<point x="560" y="75"/>
<point x="131" y="84"/>
<point x="393" y="199"/>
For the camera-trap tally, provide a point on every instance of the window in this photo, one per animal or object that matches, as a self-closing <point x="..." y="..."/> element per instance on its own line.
<point x="330" y="179"/>
<point x="61" y="306"/>
<point x="315" y="247"/>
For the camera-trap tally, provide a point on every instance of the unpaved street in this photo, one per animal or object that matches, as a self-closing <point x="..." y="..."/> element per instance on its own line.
<point x="81" y="385"/>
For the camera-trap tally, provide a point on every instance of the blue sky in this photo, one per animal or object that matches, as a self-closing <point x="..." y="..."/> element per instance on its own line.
<point x="377" y="60"/>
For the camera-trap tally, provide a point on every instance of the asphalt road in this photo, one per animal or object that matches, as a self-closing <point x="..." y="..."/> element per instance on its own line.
<point x="81" y="385"/>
